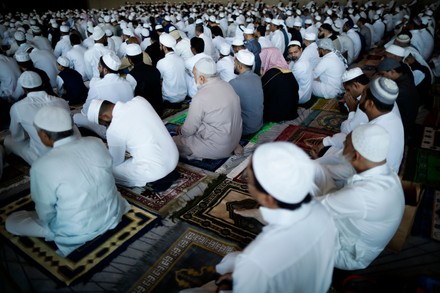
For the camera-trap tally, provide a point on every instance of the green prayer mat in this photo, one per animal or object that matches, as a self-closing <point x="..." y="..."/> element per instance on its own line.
<point x="422" y="166"/>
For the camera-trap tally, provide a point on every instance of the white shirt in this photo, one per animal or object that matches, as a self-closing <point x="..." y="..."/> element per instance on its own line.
<point x="347" y="45"/>
<point x="367" y="212"/>
<point x="379" y="30"/>
<point x="46" y="61"/>
<point x="153" y="152"/>
<point x="183" y="49"/>
<point x="353" y="35"/>
<point x="303" y="73"/>
<point x="62" y="46"/>
<point x="91" y="58"/>
<point x="225" y="68"/>
<point x="145" y="43"/>
<point x="77" y="59"/>
<point x="295" y="250"/>
<point x="69" y="203"/>
<point x="209" y="46"/>
<point x="111" y="87"/>
<point x="277" y="40"/>
<point x="311" y="53"/>
<point x="172" y="71"/>
<point x="42" y="43"/>
<point x="265" y="42"/>
<point x="9" y="74"/>
<point x="329" y="71"/>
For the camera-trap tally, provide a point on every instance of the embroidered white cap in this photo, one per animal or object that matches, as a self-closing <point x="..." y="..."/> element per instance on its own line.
<point x="351" y="74"/>
<point x="167" y="40"/>
<point x="54" y="119"/>
<point x="225" y="49"/>
<point x="133" y="50"/>
<point x="284" y="170"/>
<point x="294" y="43"/>
<point x="326" y="44"/>
<point x="30" y="79"/>
<point x="237" y="42"/>
<point x="93" y="112"/>
<point x="246" y="57"/>
<point x="98" y="33"/>
<point x="64" y="29"/>
<point x="22" y="57"/>
<point x="371" y="141"/>
<point x="63" y="61"/>
<point x="112" y="61"/>
<point x="248" y="31"/>
<point x="384" y="89"/>
<point x="19" y="36"/>
<point x="206" y="66"/>
<point x="396" y="50"/>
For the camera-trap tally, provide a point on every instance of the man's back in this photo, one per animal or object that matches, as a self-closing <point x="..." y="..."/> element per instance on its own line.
<point x="82" y="201"/>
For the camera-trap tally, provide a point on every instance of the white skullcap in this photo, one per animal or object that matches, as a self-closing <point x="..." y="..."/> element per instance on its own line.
<point x="246" y="57"/>
<point x="171" y="29"/>
<point x="396" y="50"/>
<point x="112" y="61"/>
<point x="93" y="112"/>
<point x="206" y="66"/>
<point x="54" y="25"/>
<point x="63" y="61"/>
<point x="318" y="18"/>
<point x="199" y="21"/>
<point x="98" y="33"/>
<point x="329" y="11"/>
<point x="385" y="90"/>
<point x="167" y="18"/>
<point x="284" y="170"/>
<point x="308" y="21"/>
<point x="371" y="141"/>
<point x="54" y="119"/>
<point x="35" y="29"/>
<point x="90" y="29"/>
<point x="22" y="57"/>
<point x="298" y="12"/>
<point x="326" y="44"/>
<point x="64" y="29"/>
<point x="107" y="18"/>
<point x="237" y="42"/>
<point x="310" y="36"/>
<point x="133" y="49"/>
<point x="297" y="23"/>
<point x="145" y="32"/>
<point x="351" y="74"/>
<point x="225" y="49"/>
<point x="127" y="31"/>
<point x="108" y="33"/>
<point x="175" y="34"/>
<point x="212" y="18"/>
<point x="276" y="22"/>
<point x="167" y="40"/>
<point x="335" y="27"/>
<point x="403" y="38"/>
<point x="248" y="31"/>
<point x="19" y="36"/>
<point x="30" y="79"/>
<point x="267" y="19"/>
<point x="294" y="43"/>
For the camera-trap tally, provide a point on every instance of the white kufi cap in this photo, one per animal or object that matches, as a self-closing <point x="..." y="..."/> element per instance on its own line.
<point x="93" y="112"/>
<point x="385" y="90"/>
<point x="30" y="80"/>
<point x="98" y="33"/>
<point x="310" y="36"/>
<point x="284" y="170"/>
<point x="112" y="61"/>
<point x="396" y="50"/>
<point x="64" y="29"/>
<point x="246" y="57"/>
<point x="133" y="50"/>
<point x="206" y="66"/>
<point x="54" y="119"/>
<point x="371" y="141"/>
<point x="19" y="36"/>
<point x="237" y="42"/>
<point x="225" y="49"/>
<point x="351" y="74"/>
<point x="248" y="31"/>
<point x="167" y="40"/>
<point x="22" y="57"/>
<point x="63" y="61"/>
<point x="326" y="44"/>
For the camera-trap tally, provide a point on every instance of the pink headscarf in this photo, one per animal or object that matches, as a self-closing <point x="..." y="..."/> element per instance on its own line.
<point x="272" y="57"/>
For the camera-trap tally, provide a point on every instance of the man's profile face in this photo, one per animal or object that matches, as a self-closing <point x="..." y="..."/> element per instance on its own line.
<point x="295" y="52"/>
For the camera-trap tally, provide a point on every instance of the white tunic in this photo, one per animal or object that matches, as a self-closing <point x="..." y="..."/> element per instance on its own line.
<point x="311" y="53"/>
<point x="42" y="43"/>
<point x="328" y="76"/>
<point x="183" y="49"/>
<point x="62" y="46"/>
<point x="354" y="36"/>
<point x="46" y="61"/>
<point x="91" y="58"/>
<point x="76" y="59"/>
<point x="367" y="212"/>
<point x="153" y="151"/>
<point x="172" y="71"/>
<point x="278" y="41"/>
<point x="225" y="68"/>
<point x="295" y="250"/>
<point x="9" y="74"/>
<point x="303" y="73"/>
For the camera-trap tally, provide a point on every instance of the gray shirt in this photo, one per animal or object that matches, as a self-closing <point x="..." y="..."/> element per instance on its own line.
<point x="250" y="90"/>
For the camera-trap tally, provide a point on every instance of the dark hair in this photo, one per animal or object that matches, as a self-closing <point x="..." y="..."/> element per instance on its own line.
<point x="199" y="28"/>
<point x="74" y="39"/>
<point x="382" y="107"/>
<point x="261" y="29"/>
<point x="198" y="44"/>
<point x="55" y="136"/>
<point x="136" y="59"/>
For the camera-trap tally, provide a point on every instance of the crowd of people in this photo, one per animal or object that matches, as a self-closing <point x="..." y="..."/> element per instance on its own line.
<point x="240" y="65"/>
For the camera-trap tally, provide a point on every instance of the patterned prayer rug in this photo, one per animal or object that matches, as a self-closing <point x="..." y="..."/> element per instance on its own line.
<point x="331" y="105"/>
<point x="160" y="202"/>
<point x="167" y="112"/>
<point x="326" y="120"/>
<point x="298" y="134"/>
<point x="214" y="211"/>
<point x="179" y="119"/>
<point x="15" y="176"/>
<point x="87" y="259"/>
<point x="188" y="262"/>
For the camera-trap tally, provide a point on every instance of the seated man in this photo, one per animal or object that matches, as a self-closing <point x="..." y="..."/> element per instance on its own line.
<point x="79" y="203"/>
<point x="368" y="210"/>
<point x="250" y="90"/>
<point x="135" y="127"/>
<point x="23" y="140"/>
<point x="295" y="250"/>
<point x="213" y="127"/>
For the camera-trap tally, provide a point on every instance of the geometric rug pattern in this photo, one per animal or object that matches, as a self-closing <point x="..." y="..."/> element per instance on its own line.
<point x="160" y="202"/>
<point x="88" y="258"/>
<point x="189" y="262"/>
<point x="214" y="211"/>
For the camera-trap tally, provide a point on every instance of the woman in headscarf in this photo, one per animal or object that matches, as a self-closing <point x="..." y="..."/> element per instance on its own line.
<point x="279" y="86"/>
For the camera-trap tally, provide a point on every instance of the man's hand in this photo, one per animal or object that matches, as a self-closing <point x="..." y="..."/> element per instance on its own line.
<point x="224" y="282"/>
<point x="179" y="130"/>
<point x="351" y="102"/>
<point x="315" y="145"/>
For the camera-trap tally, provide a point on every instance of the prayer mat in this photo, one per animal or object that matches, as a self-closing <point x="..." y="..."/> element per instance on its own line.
<point x="435" y="234"/>
<point x="326" y="120"/>
<point x="86" y="260"/>
<point x="160" y="202"/>
<point x="189" y="262"/>
<point x="15" y="176"/>
<point x="422" y="166"/>
<point x="431" y="139"/>
<point x="167" y="112"/>
<point x="331" y="105"/>
<point x="178" y="120"/>
<point x="214" y="211"/>
<point x="299" y="134"/>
